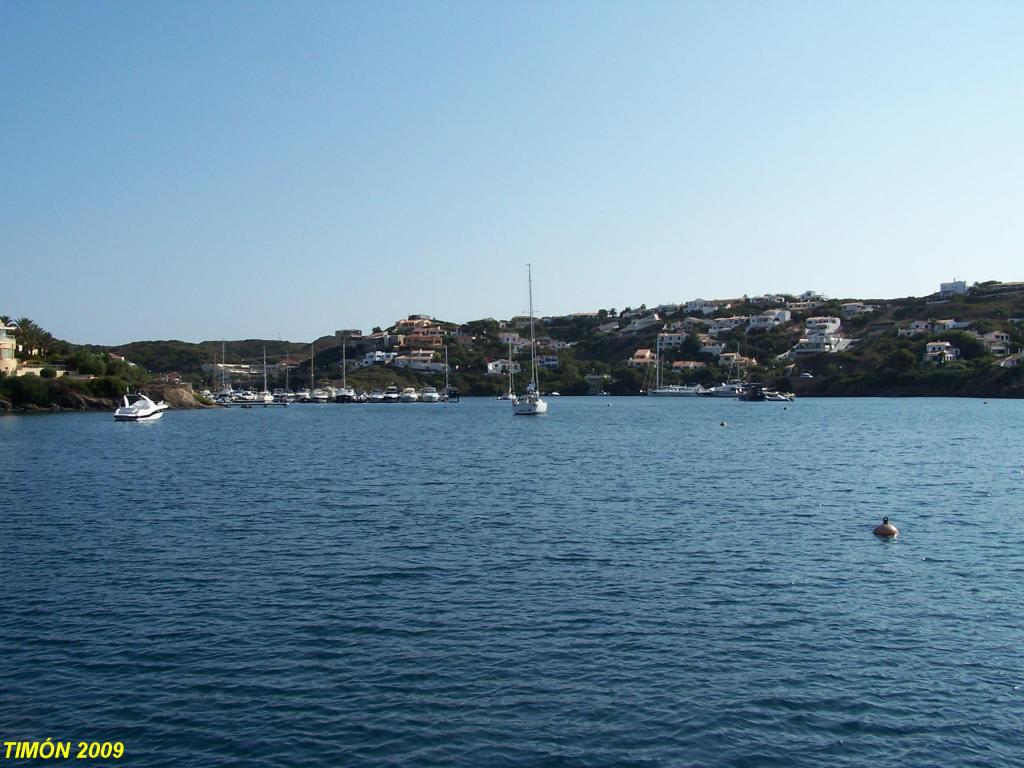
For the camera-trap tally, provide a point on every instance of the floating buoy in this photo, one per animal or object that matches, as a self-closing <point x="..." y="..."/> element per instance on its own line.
<point x="886" y="529"/>
<point x="722" y="424"/>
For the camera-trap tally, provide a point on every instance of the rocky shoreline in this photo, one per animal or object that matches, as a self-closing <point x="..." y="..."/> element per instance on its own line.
<point x="177" y="396"/>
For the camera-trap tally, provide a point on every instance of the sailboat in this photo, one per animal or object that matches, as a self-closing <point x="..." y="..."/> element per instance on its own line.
<point x="346" y="394"/>
<point x="265" y="396"/>
<point x="511" y="394"/>
<point x="669" y="390"/>
<point x="530" y="403"/>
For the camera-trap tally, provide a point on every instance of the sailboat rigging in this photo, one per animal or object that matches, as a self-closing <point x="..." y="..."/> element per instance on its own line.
<point x="531" y="403"/>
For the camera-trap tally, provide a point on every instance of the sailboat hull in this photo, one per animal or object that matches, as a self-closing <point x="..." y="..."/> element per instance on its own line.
<point x="534" y="407"/>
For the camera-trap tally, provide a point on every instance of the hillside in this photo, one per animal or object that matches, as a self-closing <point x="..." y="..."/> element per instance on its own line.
<point x="881" y="348"/>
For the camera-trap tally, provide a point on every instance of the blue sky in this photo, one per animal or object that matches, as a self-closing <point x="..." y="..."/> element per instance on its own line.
<point x="239" y="169"/>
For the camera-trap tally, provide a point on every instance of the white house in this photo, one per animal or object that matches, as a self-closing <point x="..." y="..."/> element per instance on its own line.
<point x="803" y="306"/>
<point x="704" y="306"/>
<point x="822" y="325"/>
<point x="669" y="340"/>
<point x="955" y="288"/>
<point x="641" y="324"/>
<point x="499" y="367"/>
<point x="854" y="308"/>
<point x="941" y="352"/>
<point x="726" y="324"/>
<point x="950" y="325"/>
<point x="769" y="319"/>
<point x="710" y="346"/>
<point x="8" y="362"/>
<point x="767" y="300"/>
<point x="419" y="360"/>
<point x="379" y="358"/>
<point x="508" y="337"/>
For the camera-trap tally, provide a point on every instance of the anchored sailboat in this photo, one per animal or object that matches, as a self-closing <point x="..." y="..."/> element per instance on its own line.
<point x="530" y="403"/>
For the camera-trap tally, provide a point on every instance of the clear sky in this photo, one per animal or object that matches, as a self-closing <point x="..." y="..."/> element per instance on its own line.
<point x="201" y="170"/>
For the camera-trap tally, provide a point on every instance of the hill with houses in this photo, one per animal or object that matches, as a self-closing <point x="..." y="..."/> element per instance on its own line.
<point x="963" y="340"/>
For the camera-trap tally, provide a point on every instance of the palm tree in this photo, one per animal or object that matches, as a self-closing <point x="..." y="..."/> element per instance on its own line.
<point x="27" y="335"/>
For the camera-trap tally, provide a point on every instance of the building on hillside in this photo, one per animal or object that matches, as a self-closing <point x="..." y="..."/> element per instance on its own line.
<point x="688" y="365"/>
<point x="767" y="300"/>
<point x="549" y="362"/>
<point x="727" y="324"/>
<point x="642" y="358"/>
<point x="705" y="307"/>
<point x="769" y="319"/>
<point x="378" y="357"/>
<point x="951" y="289"/>
<point x="348" y="334"/>
<point x="419" y="360"/>
<point x="8" y="346"/>
<point x="735" y="360"/>
<point x="822" y="325"/>
<point x="429" y="336"/>
<point x="854" y="308"/>
<point x="710" y="346"/>
<point x="950" y="325"/>
<point x="508" y="337"/>
<point x="641" y="324"/>
<point x="668" y="340"/>
<point x="502" y="367"/>
<point x="997" y="343"/>
<point x="803" y="306"/>
<point x="609" y="327"/>
<point x="941" y="352"/>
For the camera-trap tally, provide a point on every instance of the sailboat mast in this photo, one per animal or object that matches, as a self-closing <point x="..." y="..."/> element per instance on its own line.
<point x="343" y="365"/>
<point x="264" y="369"/>
<point x="311" y="367"/>
<point x="533" y="342"/>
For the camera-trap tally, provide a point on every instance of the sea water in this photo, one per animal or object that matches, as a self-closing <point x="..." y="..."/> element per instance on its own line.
<point x="622" y="582"/>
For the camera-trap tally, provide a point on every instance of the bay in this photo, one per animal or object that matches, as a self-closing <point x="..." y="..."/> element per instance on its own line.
<point x="624" y="581"/>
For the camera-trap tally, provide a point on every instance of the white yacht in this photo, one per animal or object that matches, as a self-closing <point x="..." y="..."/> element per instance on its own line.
<point x="138" y="407"/>
<point x="409" y="395"/>
<point x="321" y="395"/>
<point x="391" y="394"/>
<point x="375" y="396"/>
<point x="430" y="395"/>
<point x="531" y="403"/>
<point x="728" y="389"/>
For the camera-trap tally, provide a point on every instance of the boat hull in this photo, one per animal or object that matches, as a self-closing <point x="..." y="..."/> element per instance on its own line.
<point x="530" y="408"/>
<point x="138" y="417"/>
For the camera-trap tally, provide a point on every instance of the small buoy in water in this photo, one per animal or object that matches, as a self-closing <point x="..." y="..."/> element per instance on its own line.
<point x="722" y="424"/>
<point x="886" y="529"/>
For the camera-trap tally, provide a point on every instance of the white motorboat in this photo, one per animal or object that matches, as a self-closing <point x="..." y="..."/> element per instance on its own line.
<point x="375" y="396"/>
<point x="773" y="395"/>
<point x="531" y="403"/>
<point x="728" y="389"/>
<point x="321" y="395"/>
<point x="430" y="395"/>
<point x="391" y="394"/>
<point x="409" y="395"/>
<point x="138" y="407"/>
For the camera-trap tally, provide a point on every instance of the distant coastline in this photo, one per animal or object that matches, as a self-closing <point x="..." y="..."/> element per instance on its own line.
<point x="962" y="341"/>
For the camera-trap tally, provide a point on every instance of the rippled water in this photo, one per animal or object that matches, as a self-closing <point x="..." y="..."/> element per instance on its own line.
<point x="622" y="582"/>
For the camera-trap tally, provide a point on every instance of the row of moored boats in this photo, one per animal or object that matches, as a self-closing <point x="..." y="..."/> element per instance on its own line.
<point x="748" y="391"/>
<point x="327" y="394"/>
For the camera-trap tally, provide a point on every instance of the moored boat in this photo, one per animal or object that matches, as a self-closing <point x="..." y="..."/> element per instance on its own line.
<point x="138" y="407"/>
